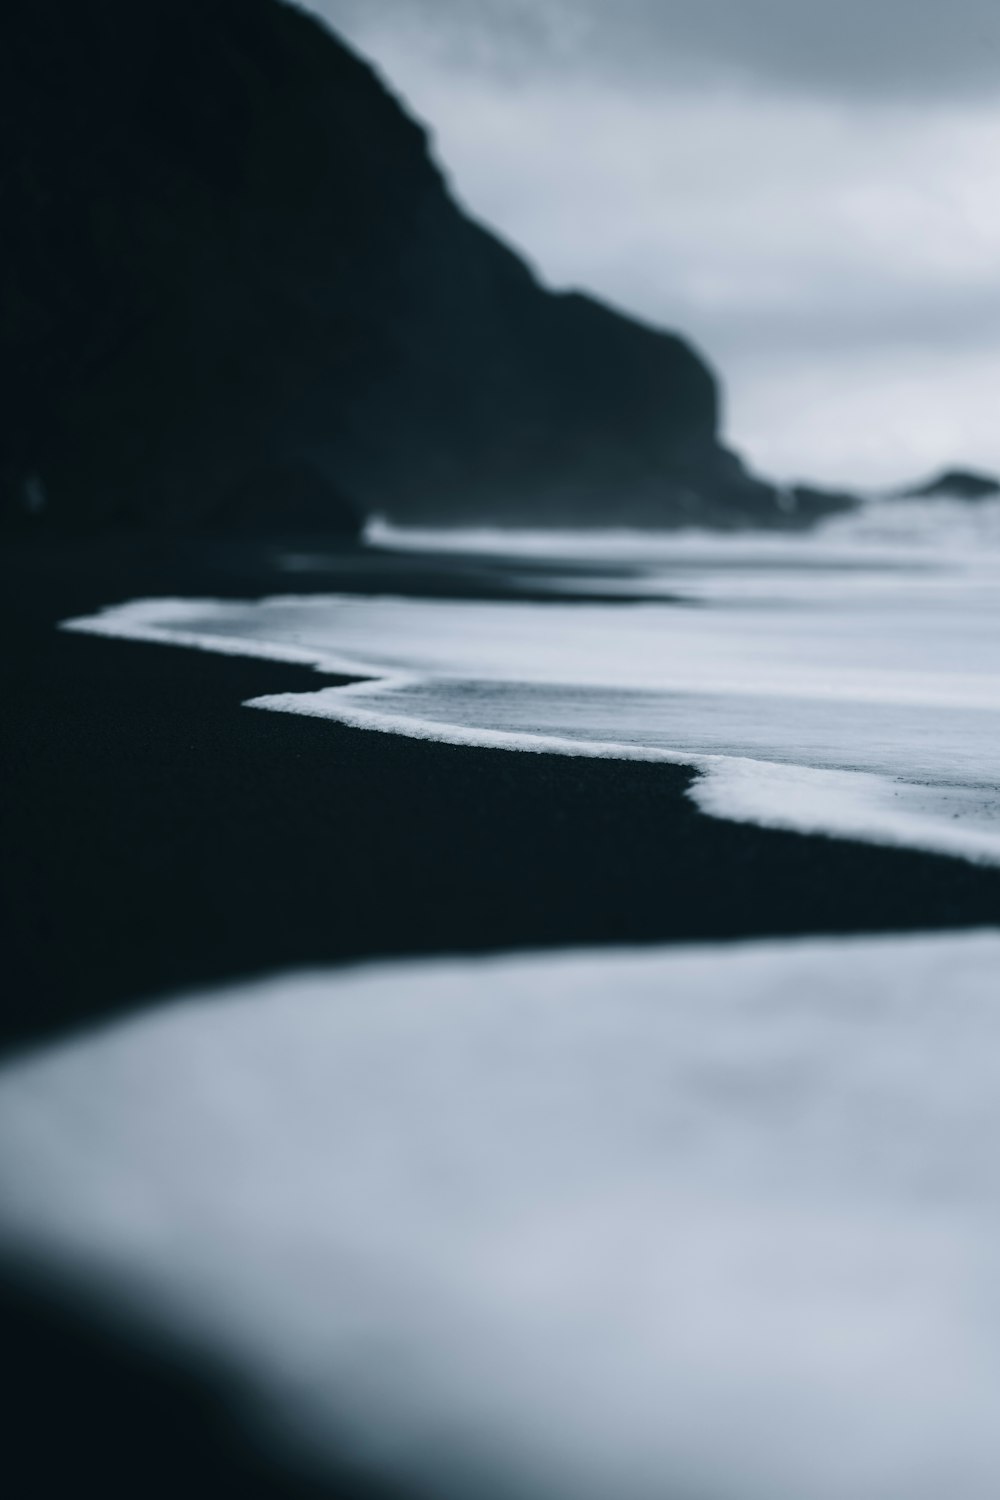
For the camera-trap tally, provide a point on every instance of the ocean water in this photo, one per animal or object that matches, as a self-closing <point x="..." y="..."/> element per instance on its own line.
<point x="695" y="1222"/>
<point x="707" y="1223"/>
<point x="844" y="682"/>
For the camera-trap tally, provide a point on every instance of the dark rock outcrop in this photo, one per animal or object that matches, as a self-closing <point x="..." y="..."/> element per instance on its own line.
<point x="291" y="494"/>
<point x="807" y="503"/>
<point x="954" y="484"/>
<point x="227" y="254"/>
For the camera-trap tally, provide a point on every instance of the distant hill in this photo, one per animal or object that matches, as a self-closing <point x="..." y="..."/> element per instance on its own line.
<point x="955" y="484"/>
<point x="227" y="252"/>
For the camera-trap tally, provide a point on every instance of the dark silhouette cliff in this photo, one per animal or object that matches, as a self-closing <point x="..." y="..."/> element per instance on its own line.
<point x="227" y="253"/>
<point x="954" y="484"/>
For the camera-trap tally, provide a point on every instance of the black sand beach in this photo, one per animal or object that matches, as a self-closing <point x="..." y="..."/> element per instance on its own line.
<point x="159" y="835"/>
<point x="254" y="308"/>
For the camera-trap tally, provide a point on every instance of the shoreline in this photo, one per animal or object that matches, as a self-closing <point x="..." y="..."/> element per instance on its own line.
<point x="162" y="837"/>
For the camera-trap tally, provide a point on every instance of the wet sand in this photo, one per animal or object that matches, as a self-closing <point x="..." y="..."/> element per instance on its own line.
<point x="159" y="836"/>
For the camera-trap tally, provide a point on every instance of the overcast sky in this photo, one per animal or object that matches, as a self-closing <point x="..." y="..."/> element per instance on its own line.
<point x="811" y="193"/>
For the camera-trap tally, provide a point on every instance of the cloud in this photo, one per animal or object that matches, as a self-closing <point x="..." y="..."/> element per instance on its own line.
<point x="835" y="254"/>
<point x="874" y="47"/>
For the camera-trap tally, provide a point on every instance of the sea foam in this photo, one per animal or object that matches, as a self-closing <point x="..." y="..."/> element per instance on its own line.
<point x="846" y="683"/>
<point x="713" y="1222"/>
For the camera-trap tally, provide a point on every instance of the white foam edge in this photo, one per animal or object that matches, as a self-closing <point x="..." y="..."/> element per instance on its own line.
<point x="769" y="794"/>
